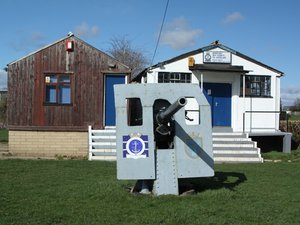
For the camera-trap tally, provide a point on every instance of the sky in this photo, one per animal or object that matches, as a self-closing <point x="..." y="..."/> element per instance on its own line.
<point x="266" y="30"/>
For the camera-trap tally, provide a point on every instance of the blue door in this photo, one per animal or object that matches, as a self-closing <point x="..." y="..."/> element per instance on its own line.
<point x="219" y="97"/>
<point x="110" y="113"/>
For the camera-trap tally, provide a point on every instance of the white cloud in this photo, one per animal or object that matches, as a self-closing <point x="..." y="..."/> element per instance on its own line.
<point x="85" y="30"/>
<point x="3" y="80"/>
<point x="289" y="95"/>
<point x="233" y="18"/>
<point x="178" y="34"/>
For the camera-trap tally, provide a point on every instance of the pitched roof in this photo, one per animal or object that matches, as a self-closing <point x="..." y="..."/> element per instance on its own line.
<point x="213" y="45"/>
<point x="62" y="39"/>
<point x="47" y="46"/>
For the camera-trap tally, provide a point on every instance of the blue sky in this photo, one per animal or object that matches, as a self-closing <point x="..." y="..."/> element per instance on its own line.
<point x="266" y="30"/>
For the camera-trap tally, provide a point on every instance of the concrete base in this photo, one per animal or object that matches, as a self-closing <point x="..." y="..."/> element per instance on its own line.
<point x="286" y="142"/>
<point x="287" y="139"/>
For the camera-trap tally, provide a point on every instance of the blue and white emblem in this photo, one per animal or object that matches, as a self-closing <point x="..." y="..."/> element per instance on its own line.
<point x="135" y="146"/>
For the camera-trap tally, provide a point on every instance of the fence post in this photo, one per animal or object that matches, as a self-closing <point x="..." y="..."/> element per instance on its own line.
<point x="244" y="122"/>
<point x="287" y="122"/>
<point x="90" y="142"/>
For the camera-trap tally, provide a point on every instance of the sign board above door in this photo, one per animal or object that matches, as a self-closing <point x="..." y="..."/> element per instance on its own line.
<point x="216" y="57"/>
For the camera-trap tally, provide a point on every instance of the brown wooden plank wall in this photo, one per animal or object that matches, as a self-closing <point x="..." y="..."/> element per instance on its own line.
<point x="86" y="66"/>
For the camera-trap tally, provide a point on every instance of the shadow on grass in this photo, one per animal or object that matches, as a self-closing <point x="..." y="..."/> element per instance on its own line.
<point x="227" y="180"/>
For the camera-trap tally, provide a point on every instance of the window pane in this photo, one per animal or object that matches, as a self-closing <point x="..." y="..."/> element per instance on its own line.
<point x="58" y="89"/>
<point x="163" y="77"/>
<point x="64" y="79"/>
<point x="51" y="94"/>
<point x="64" y="94"/>
<point x="53" y="79"/>
<point x="188" y="78"/>
<point x="160" y="78"/>
<point x="172" y="76"/>
<point x="268" y="82"/>
<point x="259" y="85"/>
<point x="166" y="77"/>
<point x="255" y="89"/>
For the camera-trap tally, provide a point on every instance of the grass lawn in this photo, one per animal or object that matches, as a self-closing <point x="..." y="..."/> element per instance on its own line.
<point x="294" y="156"/>
<point x="294" y="117"/>
<point x="83" y="192"/>
<point x="3" y="135"/>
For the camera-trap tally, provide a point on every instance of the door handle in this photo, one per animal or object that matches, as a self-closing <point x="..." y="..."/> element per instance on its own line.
<point x="217" y="104"/>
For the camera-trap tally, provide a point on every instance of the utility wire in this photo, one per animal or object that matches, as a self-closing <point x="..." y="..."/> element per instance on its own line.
<point x="161" y="27"/>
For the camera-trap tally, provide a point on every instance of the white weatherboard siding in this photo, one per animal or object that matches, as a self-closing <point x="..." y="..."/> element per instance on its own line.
<point x="259" y="122"/>
<point x="255" y="122"/>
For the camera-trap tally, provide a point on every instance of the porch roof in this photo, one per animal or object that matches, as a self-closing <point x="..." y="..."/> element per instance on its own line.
<point x="219" y="68"/>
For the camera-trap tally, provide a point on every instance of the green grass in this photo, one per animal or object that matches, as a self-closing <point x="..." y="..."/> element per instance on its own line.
<point x="3" y="135"/>
<point x="294" y="156"/>
<point x="83" y="192"/>
<point x="294" y="117"/>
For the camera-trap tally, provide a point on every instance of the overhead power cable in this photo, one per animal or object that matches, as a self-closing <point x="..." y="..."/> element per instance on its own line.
<point x="161" y="28"/>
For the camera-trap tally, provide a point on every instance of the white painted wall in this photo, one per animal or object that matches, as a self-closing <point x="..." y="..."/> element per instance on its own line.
<point x="257" y="122"/>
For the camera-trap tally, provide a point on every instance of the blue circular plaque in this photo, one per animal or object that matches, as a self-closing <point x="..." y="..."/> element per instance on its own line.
<point x="135" y="146"/>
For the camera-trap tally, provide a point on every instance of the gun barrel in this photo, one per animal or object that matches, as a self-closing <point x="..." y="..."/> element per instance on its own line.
<point x="165" y="116"/>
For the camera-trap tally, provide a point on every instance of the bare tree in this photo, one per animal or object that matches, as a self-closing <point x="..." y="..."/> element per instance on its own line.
<point x="122" y="50"/>
<point x="296" y="106"/>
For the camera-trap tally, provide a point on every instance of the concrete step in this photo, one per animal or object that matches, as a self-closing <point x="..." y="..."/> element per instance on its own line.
<point x="233" y="145"/>
<point x="216" y="148"/>
<point x="231" y="155"/>
<point x="237" y="152"/>
<point x="231" y="138"/>
<point x="110" y="127"/>
<point x="236" y="139"/>
<point x="238" y="134"/>
<point x="235" y="148"/>
<point x="237" y="160"/>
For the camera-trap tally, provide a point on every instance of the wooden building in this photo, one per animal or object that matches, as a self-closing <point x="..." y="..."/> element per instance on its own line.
<point x="55" y="92"/>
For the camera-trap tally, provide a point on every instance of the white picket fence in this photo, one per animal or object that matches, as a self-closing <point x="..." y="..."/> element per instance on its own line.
<point x="102" y="144"/>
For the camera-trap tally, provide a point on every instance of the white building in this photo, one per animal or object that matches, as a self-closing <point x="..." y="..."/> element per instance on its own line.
<point x="244" y="93"/>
